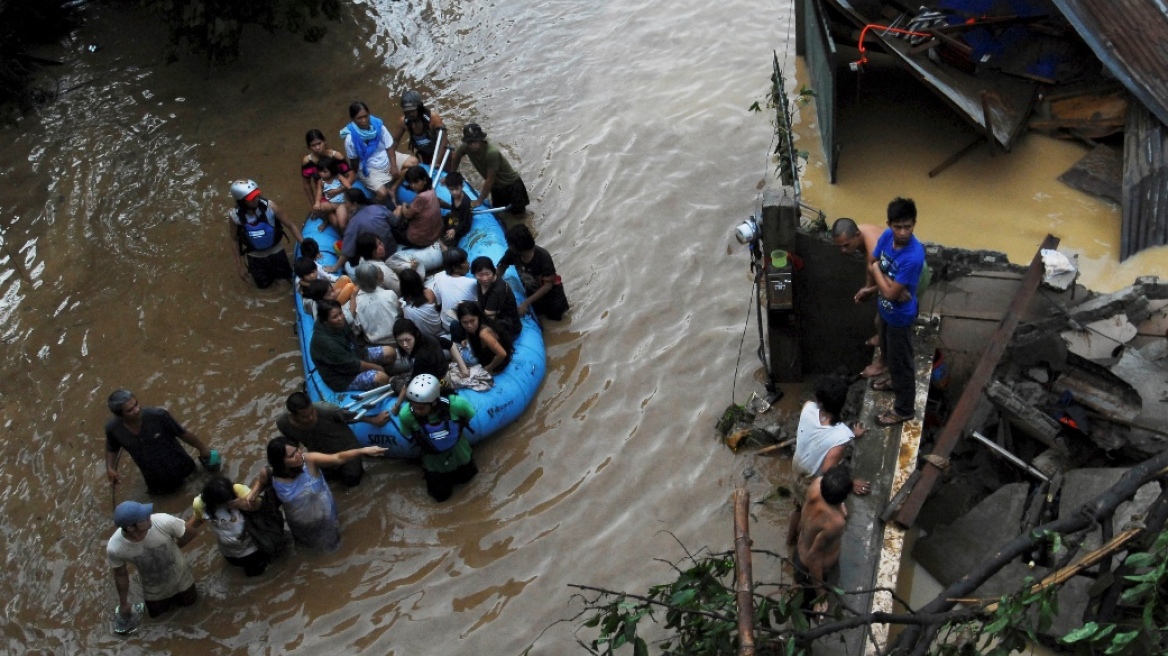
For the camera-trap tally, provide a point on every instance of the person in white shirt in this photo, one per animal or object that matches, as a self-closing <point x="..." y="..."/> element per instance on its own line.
<point x="152" y="542"/>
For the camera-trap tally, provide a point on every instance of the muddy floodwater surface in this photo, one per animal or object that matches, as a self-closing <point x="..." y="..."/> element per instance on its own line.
<point x="628" y="122"/>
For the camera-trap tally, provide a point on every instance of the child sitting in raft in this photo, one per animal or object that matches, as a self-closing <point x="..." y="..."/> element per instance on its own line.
<point x="457" y="222"/>
<point x="330" y="187"/>
<point x="545" y="290"/>
<point x="306" y="271"/>
<point x="318" y="147"/>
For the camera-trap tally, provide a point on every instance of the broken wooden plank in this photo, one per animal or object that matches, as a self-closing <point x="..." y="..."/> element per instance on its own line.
<point x="956" y="157"/>
<point x="1099" y="172"/>
<point x="954" y="428"/>
<point x="1032" y="421"/>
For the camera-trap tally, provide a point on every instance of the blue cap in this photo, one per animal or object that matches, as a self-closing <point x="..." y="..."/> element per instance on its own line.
<point x="129" y="513"/>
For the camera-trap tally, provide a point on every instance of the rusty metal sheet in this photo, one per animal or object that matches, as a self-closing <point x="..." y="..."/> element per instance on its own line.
<point x="1130" y="37"/>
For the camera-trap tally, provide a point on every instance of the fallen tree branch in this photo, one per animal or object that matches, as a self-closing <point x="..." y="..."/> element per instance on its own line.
<point x="916" y="639"/>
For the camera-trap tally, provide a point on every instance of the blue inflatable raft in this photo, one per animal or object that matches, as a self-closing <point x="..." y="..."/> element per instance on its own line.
<point x="514" y="388"/>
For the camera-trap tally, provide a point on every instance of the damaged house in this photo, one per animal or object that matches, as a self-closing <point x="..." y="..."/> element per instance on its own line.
<point x="1090" y="70"/>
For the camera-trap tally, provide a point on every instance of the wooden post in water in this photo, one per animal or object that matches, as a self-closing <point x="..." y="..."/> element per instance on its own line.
<point x="744" y="587"/>
<point x="780" y="219"/>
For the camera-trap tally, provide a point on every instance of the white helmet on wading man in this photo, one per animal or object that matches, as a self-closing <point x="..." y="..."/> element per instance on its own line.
<point x="244" y="190"/>
<point x="424" y="388"/>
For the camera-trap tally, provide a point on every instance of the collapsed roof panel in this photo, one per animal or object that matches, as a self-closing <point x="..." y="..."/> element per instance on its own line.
<point x="1130" y="37"/>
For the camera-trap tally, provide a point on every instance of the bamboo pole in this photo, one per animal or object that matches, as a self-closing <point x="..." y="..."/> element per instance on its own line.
<point x="744" y="587"/>
<point x="1063" y="575"/>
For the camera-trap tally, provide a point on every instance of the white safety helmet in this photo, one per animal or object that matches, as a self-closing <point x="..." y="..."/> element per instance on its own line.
<point x="244" y="190"/>
<point x="424" y="388"/>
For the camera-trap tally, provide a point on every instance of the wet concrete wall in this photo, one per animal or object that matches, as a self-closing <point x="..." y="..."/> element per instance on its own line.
<point x="832" y="327"/>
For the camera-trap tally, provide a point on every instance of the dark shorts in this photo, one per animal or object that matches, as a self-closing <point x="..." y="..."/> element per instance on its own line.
<point x="253" y="564"/>
<point x="440" y="485"/>
<point x="553" y="304"/>
<point x="514" y="194"/>
<point x="267" y="270"/>
<point x="185" y="598"/>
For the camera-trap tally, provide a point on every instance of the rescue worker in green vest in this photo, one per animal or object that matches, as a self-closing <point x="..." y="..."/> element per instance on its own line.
<point x="439" y="426"/>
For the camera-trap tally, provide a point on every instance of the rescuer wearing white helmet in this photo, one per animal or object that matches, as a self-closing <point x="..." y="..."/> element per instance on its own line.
<point x="257" y="232"/>
<point x="439" y="426"/>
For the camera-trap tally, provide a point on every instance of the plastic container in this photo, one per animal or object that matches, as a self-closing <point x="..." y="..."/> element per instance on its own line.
<point x="778" y="258"/>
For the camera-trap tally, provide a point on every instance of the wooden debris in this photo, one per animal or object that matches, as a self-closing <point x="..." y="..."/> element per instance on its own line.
<point x="1099" y="173"/>
<point x="954" y="428"/>
<point x="745" y="578"/>
<point x="1032" y="421"/>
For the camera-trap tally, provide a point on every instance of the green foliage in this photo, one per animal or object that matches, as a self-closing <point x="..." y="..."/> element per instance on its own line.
<point x="698" y="611"/>
<point x="698" y="614"/>
<point x="734" y="414"/>
<point x="215" y="27"/>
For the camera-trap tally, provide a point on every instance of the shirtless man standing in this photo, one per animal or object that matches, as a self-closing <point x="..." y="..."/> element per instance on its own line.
<point x="820" y="533"/>
<point x="851" y="237"/>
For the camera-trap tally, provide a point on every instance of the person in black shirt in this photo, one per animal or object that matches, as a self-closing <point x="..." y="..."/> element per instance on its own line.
<point x="545" y="291"/>
<point x="151" y="436"/>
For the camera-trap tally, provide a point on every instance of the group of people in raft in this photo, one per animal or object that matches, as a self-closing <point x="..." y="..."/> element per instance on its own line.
<point x="376" y="315"/>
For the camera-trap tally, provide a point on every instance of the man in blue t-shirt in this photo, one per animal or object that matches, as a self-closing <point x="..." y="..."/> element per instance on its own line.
<point x="896" y="268"/>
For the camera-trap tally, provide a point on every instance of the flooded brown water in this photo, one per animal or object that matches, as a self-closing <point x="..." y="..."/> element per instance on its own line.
<point x="628" y="123"/>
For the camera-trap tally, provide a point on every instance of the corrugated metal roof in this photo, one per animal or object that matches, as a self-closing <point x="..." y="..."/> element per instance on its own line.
<point x="1130" y="37"/>
<point x="1145" y="183"/>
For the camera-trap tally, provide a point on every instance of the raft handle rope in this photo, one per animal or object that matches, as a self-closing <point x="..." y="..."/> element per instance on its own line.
<point x="859" y="63"/>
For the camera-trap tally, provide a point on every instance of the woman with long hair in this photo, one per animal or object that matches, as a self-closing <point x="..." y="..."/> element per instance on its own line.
<point x="307" y="501"/>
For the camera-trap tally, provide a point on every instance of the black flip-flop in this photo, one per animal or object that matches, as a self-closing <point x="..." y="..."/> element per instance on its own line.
<point x="890" y="418"/>
<point x="883" y="385"/>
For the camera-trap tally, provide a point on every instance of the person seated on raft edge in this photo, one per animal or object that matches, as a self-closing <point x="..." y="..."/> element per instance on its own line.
<point x="822" y="441"/>
<point x="421" y="124"/>
<point x="426" y="355"/>
<point x="458" y="222"/>
<point x="335" y="353"/>
<point x="373" y="309"/>
<point x="330" y="187"/>
<point x="545" y="291"/>
<point x="488" y="346"/>
<point x="365" y="216"/>
<point x="369" y="147"/>
<point x="438" y="425"/>
<point x="422" y="223"/>
<point x="317" y="148"/>
<point x="306" y="271"/>
<point x="496" y="298"/>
